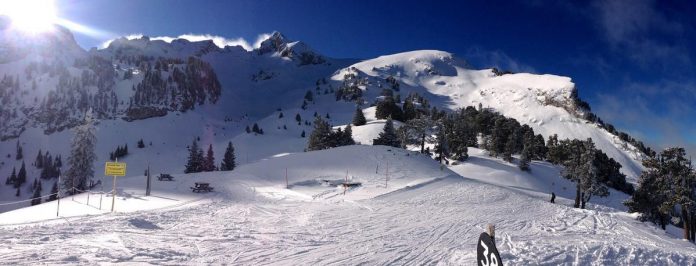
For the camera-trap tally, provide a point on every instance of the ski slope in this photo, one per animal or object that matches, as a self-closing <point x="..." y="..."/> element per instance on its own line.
<point x="426" y="214"/>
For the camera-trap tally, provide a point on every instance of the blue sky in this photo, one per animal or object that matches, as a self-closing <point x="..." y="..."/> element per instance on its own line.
<point x="633" y="61"/>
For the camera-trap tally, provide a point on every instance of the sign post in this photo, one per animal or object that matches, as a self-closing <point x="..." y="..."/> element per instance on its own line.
<point x="114" y="169"/>
<point x="148" y="186"/>
<point x="58" y="197"/>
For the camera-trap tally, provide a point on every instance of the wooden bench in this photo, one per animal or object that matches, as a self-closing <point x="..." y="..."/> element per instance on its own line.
<point x="201" y="187"/>
<point x="163" y="177"/>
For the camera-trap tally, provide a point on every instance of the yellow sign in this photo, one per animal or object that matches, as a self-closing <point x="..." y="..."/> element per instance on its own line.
<point x="115" y="169"/>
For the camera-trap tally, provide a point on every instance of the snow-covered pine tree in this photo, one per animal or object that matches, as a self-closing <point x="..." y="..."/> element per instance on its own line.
<point x="298" y="118"/>
<point x="441" y="147"/>
<point x="589" y="180"/>
<point x="388" y="135"/>
<point x="303" y="134"/>
<point x="417" y="131"/>
<point x="228" y="161"/>
<point x="82" y="156"/>
<point x="209" y="162"/>
<point x="652" y="193"/>
<point x="359" y="117"/>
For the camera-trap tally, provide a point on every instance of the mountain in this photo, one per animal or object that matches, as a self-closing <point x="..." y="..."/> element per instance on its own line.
<point x="282" y="204"/>
<point x="169" y="93"/>
<point x="547" y="103"/>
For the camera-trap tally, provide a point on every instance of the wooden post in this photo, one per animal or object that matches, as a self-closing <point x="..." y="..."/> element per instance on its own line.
<point x="386" y="180"/>
<point x="113" y="193"/>
<point x="101" y="195"/>
<point x="148" y="185"/>
<point x="345" y="184"/>
<point x="287" y="185"/>
<point x="58" y="197"/>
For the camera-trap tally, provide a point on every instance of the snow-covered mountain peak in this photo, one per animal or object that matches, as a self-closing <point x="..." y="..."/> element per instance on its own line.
<point x="18" y="45"/>
<point x="273" y="43"/>
<point x="547" y="103"/>
<point x="175" y="48"/>
<point x="278" y="45"/>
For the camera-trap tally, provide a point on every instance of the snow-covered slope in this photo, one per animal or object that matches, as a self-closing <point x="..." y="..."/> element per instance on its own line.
<point x="544" y="102"/>
<point x="425" y="214"/>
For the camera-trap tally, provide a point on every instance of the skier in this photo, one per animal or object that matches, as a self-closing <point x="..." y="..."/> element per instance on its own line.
<point x="553" y="197"/>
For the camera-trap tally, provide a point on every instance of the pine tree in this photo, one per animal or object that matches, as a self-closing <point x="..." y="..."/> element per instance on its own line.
<point x="141" y="144"/>
<point x="82" y="156"/>
<point x="347" y="137"/>
<point x="652" y="193"/>
<point x="303" y="134"/>
<point x="209" y="162"/>
<point x="280" y="115"/>
<point x="589" y="179"/>
<point x="441" y="147"/>
<point x="417" y="132"/>
<point x="525" y="158"/>
<point x="54" y="192"/>
<point x="39" y="160"/>
<point x="247" y="129"/>
<point x="388" y="136"/>
<point x="228" y="161"/>
<point x="320" y="137"/>
<point x="359" y="117"/>
<point x="309" y="96"/>
<point x="387" y="108"/>
<point x="21" y="176"/>
<point x="36" y="198"/>
<point x="20" y="153"/>
<point x="195" y="159"/>
<point x="12" y="178"/>
<point x="256" y="129"/>
<point x="298" y="118"/>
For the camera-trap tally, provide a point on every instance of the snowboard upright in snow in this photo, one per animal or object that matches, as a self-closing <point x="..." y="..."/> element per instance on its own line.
<point x="486" y="252"/>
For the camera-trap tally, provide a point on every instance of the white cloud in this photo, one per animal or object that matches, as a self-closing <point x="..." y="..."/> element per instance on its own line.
<point x="642" y="32"/>
<point x="217" y="40"/>
<point x="480" y="57"/>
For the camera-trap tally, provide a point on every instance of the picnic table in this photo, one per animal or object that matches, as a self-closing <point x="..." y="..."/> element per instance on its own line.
<point x="168" y="177"/>
<point x="201" y="187"/>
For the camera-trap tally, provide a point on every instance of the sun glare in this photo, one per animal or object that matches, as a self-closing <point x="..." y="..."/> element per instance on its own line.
<point x="33" y="16"/>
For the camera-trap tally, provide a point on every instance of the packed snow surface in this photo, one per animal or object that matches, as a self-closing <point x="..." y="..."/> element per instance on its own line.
<point x="424" y="214"/>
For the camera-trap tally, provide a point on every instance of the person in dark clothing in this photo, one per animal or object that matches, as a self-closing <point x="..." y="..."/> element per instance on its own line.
<point x="553" y="197"/>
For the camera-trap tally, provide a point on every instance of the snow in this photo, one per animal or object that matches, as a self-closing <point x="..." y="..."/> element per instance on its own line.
<point x="448" y="82"/>
<point x="426" y="215"/>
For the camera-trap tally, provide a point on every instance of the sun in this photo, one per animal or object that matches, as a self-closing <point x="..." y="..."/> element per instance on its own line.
<point x="34" y="16"/>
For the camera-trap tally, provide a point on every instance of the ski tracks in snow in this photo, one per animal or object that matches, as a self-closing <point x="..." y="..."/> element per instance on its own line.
<point x="437" y="223"/>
